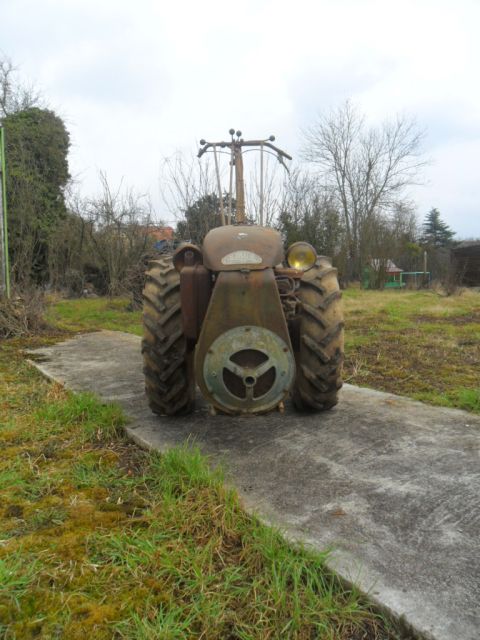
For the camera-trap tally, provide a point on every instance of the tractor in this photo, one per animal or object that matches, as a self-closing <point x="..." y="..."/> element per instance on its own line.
<point x="245" y="321"/>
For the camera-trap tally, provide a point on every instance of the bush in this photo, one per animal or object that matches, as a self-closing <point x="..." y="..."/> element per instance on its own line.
<point x="22" y="314"/>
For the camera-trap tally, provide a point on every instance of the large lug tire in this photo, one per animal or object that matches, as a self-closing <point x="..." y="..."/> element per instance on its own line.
<point x="320" y="342"/>
<point x="167" y="365"/>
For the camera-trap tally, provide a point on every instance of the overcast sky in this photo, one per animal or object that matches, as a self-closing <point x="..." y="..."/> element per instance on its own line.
<point x="134" y="81"/>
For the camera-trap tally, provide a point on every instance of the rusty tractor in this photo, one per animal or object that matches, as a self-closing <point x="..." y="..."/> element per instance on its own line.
<point x="247" y="322"/>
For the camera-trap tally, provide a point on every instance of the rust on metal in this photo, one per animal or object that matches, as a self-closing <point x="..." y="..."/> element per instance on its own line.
<point x="236" y="162"/>
<point x="248" y="369"/>
<point x="239" y="185"/>
<point x="187" y="254"/>
<point x="241" y="299"/>
<point x="289" y="272"/>
<point x="232" y="248"/>
<point x="195" y="291"/>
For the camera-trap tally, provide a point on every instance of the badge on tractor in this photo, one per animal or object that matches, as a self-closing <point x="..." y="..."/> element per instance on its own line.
<point x="246" y="322"/>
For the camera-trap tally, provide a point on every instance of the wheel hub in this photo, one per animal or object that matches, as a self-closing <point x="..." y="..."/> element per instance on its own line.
<point x="248" y="369"/>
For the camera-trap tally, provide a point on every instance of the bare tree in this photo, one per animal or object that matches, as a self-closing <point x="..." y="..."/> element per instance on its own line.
<point x="185" y="180"/>
<point x="190" y="193"/>
<point x="119" y="225"/>
<point x="368" y="168"/>
<point x="273" y="188"/>
<point x="15" y="96"/>
<point x="308" y="211"/>
<point x="187" y="183"/>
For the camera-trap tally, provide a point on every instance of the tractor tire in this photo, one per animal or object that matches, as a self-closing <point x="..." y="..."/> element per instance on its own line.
<point x="319" y="352"/>
<point x="167" y="365"/>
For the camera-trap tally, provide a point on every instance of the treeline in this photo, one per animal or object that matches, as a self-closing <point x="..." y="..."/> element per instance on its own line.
<point x="348" y="200"/>
<point x="58" y="239"/>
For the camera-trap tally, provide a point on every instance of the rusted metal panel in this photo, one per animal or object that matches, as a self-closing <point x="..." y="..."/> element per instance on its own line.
<point x="187" y="254"/>
<point x="241" y="300"/>
<point x="232" y="248"/>
<point x="195" y="291"/>
<point x="247" y="369"/>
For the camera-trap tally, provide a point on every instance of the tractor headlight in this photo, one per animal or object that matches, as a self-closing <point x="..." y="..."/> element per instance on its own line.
<point x="301" y="256"/>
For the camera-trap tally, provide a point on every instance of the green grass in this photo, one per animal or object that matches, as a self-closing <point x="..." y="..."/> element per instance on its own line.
<point x="94" y="314"/>
<point x="415" y="343"/>
<point x="102" y="540"/>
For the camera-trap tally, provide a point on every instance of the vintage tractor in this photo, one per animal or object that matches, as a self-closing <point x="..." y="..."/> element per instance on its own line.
<point x="245" y="321"/>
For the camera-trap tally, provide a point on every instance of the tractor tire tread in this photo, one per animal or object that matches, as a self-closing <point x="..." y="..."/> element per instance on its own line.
<point x="169" y="383"/>
<point x="320" y="352"/>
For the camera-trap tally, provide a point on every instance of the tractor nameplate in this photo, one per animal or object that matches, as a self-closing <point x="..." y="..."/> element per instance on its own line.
<point x="241" y="257"/>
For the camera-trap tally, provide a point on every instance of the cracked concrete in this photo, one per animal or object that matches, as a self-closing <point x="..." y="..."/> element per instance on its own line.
<point x="392" y="485"/>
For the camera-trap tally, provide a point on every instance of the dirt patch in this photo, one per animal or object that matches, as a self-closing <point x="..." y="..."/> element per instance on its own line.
<point x="471" y="318"/>
<point x="409" y="363"/>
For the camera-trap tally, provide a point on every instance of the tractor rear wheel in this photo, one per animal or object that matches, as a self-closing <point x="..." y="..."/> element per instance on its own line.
<point x="319" y="353"/>
<point x="167" y="365"/>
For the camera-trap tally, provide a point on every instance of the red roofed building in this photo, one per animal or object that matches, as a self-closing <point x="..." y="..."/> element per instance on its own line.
<point x="160" y="233"/>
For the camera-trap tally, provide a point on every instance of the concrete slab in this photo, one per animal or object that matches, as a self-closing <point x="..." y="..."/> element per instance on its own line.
<point x="391" y="484"/>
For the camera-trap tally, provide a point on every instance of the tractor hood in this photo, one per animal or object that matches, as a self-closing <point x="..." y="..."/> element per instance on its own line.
<point x="231" y="248"/>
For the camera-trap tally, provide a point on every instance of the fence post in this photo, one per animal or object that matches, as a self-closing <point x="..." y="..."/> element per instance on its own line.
<point x="4" y="261"/>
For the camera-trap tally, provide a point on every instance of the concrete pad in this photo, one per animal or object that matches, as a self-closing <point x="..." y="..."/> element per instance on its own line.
<point x="391" y="484"/>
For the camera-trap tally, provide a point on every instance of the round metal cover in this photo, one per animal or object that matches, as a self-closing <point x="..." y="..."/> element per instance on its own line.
<point x="248" y="369"/>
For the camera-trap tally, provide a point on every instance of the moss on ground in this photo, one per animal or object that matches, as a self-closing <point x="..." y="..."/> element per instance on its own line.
<point x="99" y="539"/>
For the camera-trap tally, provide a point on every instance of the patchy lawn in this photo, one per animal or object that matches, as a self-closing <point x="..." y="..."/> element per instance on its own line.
<point x="94" y="314"/>
<point x="416" y="344"/>
<point x="413" y="343"/>
<point x="99" y="539"/>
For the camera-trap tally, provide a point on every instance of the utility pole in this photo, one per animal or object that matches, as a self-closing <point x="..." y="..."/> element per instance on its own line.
<point x="4" y="261"/>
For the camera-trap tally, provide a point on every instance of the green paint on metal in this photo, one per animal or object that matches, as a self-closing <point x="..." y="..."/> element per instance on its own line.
<point x="3" y="204"/>
<point x="252" y="396"/>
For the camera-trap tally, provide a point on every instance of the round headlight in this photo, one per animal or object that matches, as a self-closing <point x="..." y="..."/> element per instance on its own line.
<point x="301" y="256"/>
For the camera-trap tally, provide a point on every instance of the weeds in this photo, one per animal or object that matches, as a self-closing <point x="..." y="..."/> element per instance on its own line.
<point x="15" y="577"/>
<point x="129" y="544"/>
<point x="22" y="315"/>
<point x="95" y="314"/>
<point x="415" y="344"/>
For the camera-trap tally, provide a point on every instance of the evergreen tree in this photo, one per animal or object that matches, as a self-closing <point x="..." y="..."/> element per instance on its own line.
<point x="37" y="144"/>
<point x="436" y="233"/>
<point x="200" y="217"/>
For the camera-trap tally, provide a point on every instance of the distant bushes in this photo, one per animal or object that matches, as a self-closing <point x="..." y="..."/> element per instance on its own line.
<point x="22" y="315"/>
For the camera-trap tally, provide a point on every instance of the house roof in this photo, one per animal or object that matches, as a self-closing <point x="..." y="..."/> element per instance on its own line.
<point x="389" y="265"/>
<point x="467" y="244"/>
<point x="160" y="233"/>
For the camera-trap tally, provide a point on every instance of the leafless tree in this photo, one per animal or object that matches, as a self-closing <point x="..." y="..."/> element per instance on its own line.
<point x="119" y="226"/>
<point x="183" y="181"/>
<point x="308" y="211"/>
<point x="368" y="168"/>
<point x="15" y="96"/>
<point x="273" y="192"/>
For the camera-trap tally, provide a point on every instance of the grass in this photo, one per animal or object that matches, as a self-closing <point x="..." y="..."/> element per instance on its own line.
<point x="415" y="343"/>
<point x="93" y="314"/>
<point x="99" y="539"/>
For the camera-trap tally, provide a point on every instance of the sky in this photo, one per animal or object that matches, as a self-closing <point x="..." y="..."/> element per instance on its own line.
<point x="137" y="81"/>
